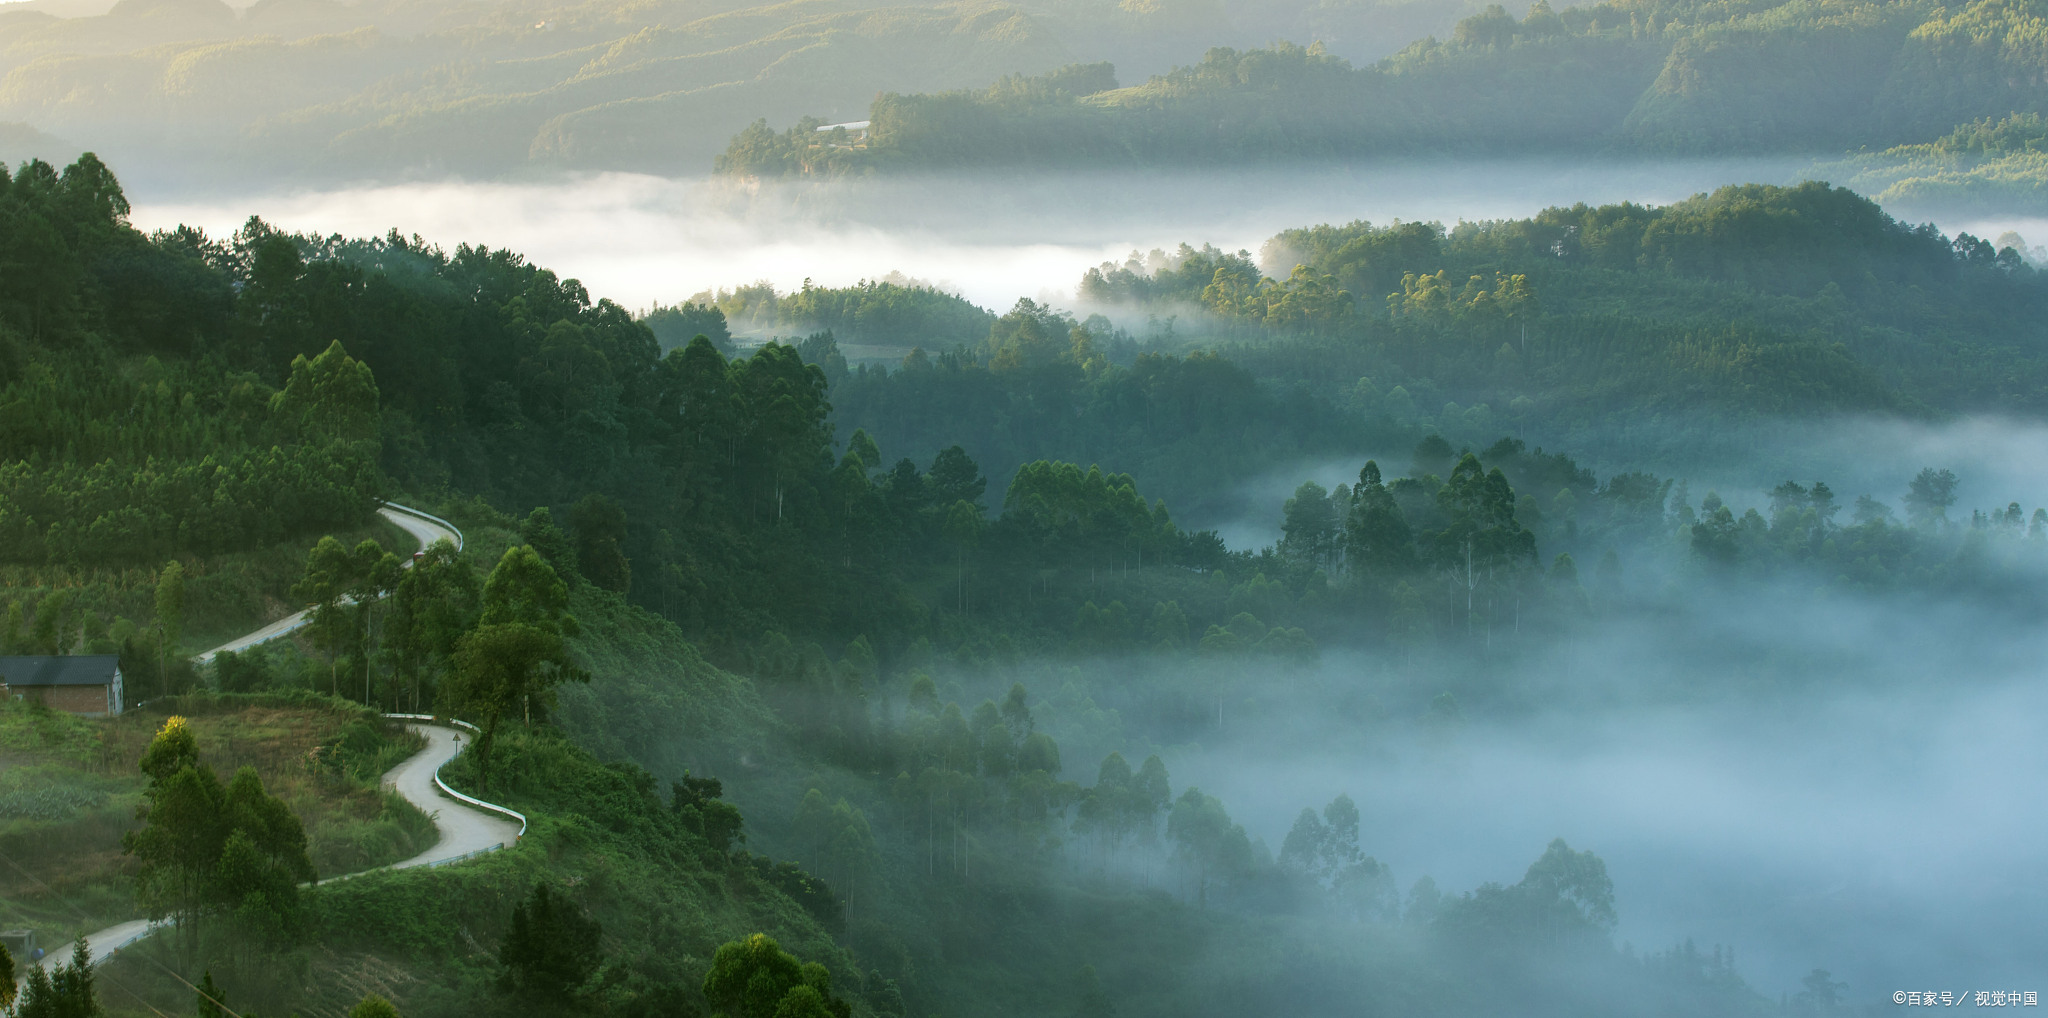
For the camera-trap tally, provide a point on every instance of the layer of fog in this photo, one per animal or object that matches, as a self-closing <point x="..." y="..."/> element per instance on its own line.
<point x="1818" y="779"/>
<point x="640" y="240"/>
<point x="1884" y="824"/>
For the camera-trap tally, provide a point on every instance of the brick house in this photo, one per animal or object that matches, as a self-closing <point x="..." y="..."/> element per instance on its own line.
<point x="88" y="684"/>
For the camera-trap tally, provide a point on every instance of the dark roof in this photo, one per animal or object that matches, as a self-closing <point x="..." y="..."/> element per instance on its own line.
<point x="68" y="670"/>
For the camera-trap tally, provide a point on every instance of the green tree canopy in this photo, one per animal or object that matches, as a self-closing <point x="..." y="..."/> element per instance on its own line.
<point x="551" y="948"/>
<point x="755" y="978"/>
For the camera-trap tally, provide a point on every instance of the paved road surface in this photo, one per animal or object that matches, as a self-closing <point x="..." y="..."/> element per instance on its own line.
<point x="102" y="943"/>
<point x="464" y="830"/>
<point x="424" y="530"/>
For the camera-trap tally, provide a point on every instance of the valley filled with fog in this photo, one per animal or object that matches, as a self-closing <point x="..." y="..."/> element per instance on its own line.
<point x="1812" y="779"/>
<point x="1025" y="509"/>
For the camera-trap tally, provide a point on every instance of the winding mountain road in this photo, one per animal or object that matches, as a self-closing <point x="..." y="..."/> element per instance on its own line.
<point x="424" y="528"/>
<point x="468" y="827"/>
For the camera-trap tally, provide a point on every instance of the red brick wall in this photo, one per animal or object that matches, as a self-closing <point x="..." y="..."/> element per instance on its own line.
<point x="74" y="699"/>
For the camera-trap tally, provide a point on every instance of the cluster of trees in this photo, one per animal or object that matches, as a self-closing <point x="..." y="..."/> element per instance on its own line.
<point x="1873" y="549"/>
<point x="1256" y="105"/>
<point x="980" y="792"/>
<point x="919" y="130"/>
<point x="1384" y="538"/>
<point x="1044" y="386"/>
<point x="1985" y="165"/>
<point x="424" y="634"/>
<point x="756" y="978"/>
<point x="1123" y="807"/>
<point x="1752" y="299"/>
<point x="977" y="804"/>
<point x="892" y="311"/>
<point x="1565" y="897"/>
<point x="1431" y="302"/>
<point x="66" y="990"/>
<point x="989" y="783"/>
<point x="1306" y="301"/>
<point x="71" y="990"/>
<point x="1325" y="849"/>
<point x="551" y="948"/>
<point x="1961" y="64"/>
<point x="675" y="325"/>
<point x="1164" y="278"/>
<point x="1065" y="518"/>
<point x="1477" y="533"/>
<point x="1312" y="300"/>
<point x="208" y="851"/>
<point x="978" y="814"/>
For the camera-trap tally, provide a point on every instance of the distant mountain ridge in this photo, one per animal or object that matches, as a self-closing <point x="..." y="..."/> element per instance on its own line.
<point x="1641" y="76"/>
<point x="355" y="89"/>
<point x="351" y="90"/>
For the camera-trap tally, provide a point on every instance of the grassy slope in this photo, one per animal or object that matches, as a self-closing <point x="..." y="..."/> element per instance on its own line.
<point x="70" y="789"/>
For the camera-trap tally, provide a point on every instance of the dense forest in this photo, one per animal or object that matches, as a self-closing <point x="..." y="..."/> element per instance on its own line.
<point x="761" y="639"/>
<point x="1987" y="166"/>
<point x="1643" y="77"/>
<point x="1626" y="333"/>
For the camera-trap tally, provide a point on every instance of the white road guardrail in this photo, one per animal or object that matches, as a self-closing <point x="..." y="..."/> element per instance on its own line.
<point x="431" y="518"/>
<point x="458" y="796"/>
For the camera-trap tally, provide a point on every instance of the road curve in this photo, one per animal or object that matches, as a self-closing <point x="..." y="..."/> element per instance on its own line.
<point x="424" y="528"/>
<point x="465" y="830"/>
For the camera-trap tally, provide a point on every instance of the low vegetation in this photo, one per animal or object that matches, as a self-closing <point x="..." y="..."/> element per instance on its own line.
<point x="72" y="791"/>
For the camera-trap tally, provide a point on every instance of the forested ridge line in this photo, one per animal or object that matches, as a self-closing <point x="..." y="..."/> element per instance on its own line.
<point x="700" y="484"/>
<point x="1642" y="76"/>
<point x="1624" y="332"/>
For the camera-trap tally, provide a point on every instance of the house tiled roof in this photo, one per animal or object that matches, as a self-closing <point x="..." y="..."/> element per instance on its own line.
<point x="65" y="670"/>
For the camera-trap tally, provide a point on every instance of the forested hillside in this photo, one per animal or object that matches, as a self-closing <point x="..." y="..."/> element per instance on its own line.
<point x="389" y="89"/>
<point x="898" y="665"/>
<point x="1622" y="331"/>
<point x="154" y="386"/>
<point x="1990" y="167"/>
<point x="1643" y="77"/>
<point x="393" y="90"/>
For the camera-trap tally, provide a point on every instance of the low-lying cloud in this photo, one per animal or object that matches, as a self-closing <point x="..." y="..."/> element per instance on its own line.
<point x="642" y="239"/>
